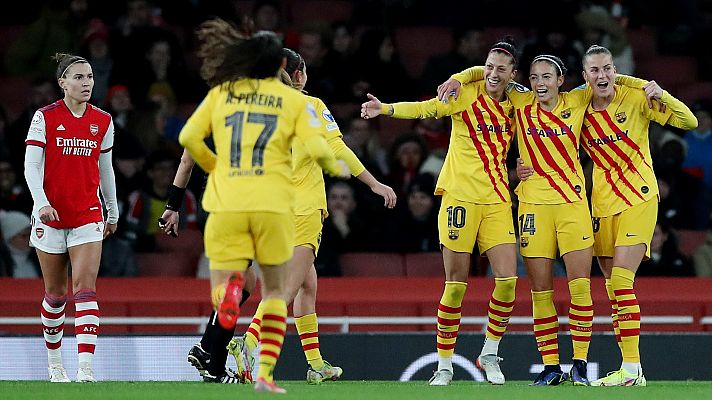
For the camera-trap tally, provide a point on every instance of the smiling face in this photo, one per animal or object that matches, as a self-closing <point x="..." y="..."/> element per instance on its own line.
<point x="545" y="81"/>
<point x="499" y="71"/>
<point x="78" y="82"/>
<point x="600" y="73"/>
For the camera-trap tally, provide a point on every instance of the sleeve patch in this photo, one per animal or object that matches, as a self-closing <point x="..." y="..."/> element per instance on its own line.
<point x="313" y="118"/>
<point x="327" y="116"/>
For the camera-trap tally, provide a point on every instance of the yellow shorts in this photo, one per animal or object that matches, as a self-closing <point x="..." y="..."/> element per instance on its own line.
<point x="546" y="228"/>
<point x="308" y="230"/>
<point x="627" y="228"/>
<point x="462" y="224"/>
<point x="234" y="238"/>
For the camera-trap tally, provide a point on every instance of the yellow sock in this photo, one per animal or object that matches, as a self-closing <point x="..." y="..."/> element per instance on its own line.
<point x="628" y="313"/>
<point x="308" y="329"/>
<point x="614" y="312"/>
<point x="274" y="325"/>
<point x="500" y="307"/>
<point x="580" y="316"/>
<point x="217" y="295"/>
<point x="449" y="313"/>
<point x="252" y="336"/>
<point x="546" y="326"/>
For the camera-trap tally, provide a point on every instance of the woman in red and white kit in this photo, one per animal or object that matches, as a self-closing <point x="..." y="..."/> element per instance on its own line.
<point x="68" y="158"/>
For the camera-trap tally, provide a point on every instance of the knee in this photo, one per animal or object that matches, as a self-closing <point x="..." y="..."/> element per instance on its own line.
<point x="56" y="290"/>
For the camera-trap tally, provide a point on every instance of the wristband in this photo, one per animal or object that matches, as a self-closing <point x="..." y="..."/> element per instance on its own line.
<point x="175" y="198"/>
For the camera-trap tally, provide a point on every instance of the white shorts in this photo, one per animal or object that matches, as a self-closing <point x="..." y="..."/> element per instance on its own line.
<point x="57" y="241"/>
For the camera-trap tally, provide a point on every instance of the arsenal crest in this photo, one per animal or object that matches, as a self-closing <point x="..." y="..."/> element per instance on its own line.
<point x="453" y="234"/>
<point x="39" y="232"/>
<point x="94" y="129"/>
<point x="566" y="113"/>
<point x="620" y="117"/>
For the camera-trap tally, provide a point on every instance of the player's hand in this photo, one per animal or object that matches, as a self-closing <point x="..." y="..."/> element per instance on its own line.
<point x="169" y="222"/>
<point x="450" y="87"/>
<point x="109" y="229"/>
<point x="385" y="191"/>
<point x="653" y="91"/>
<point x="371" y="108"/>
<point x="48" y="214"/>
<point x="523" y="171"/>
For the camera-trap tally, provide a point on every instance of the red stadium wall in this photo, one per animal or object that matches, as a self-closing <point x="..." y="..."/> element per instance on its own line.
<point x="397" y="297"/>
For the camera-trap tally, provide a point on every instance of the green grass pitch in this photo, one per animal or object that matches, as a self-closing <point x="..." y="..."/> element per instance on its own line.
<point x="373" y="390"/>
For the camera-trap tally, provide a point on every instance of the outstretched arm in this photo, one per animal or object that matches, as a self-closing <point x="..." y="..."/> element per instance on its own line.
<point x="408" y="110"/>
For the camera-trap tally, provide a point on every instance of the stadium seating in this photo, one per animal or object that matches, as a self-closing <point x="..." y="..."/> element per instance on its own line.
<point x="669" y="71"/>
<point x="416" y="44"/>
<point x="690" y="240"/>
<point x="424" y="264"/>
<point x="372" y="264"/>
<point x="320" y="11"/>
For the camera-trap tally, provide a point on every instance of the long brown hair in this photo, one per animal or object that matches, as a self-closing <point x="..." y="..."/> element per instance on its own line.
<point x="229" y="54"/>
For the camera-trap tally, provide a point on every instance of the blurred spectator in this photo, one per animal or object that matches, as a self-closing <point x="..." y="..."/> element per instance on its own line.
<point x="380" y="69"/>
<point x="665" y="256"/>
<point x="313" y="46"/>
<point x="470" y="50"/>
<point x="117" y="258"/>
<point x="698" y="161"/>
<point x="409" y="157"/>
<point x="267" y="15"/>
<point x="344" y="231"/>
<point x="14" y="196"/>
<point x="703" y="255"/>
<point x="168" y="121"/>
<point x="157" y="66"/>
<point x="362" y="139"/>
<point x="96" y="50"/>
<point x="146" y="206"/>
<point x="119" y="105"/>
<point x="436" y="132"/>
<point x="555" y="39"/>
<point x="44" y="91"/>
<point x="414" y="228"/>
<point x="59" y="28"/>
<point x="670" y="209"/>
<point x="340" y="63"/>
<point x="599" y="26"/>
<point x="129" y="161"/>
<point x="16" y="229"/>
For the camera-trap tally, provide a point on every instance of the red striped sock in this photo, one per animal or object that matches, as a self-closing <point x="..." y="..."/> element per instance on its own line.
<point x="546" y="326"/>
<point x="52" y="315"/>
<point x="86" y="324"/>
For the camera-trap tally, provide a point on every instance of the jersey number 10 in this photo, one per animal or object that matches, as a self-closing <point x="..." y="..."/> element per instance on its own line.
<point x="236" y="121"/>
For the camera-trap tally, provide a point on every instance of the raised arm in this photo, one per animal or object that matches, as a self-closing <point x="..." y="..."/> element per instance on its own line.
<point x="451" y="87"/>
<point x="682" y="117"/>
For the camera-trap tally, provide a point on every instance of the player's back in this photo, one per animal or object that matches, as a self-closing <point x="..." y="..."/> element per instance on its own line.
<point x="253" y="126"/>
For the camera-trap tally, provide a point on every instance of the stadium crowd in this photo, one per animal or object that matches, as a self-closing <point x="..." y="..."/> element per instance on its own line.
<point x="146" y="76"/>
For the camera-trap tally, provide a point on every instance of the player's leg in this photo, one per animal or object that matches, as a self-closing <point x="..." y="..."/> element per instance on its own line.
<point x="457" y="226"/>
<point x="199" y="355"/>
<point x="305" y="319"/>
<point x="634" y="232"/>
<point x="54" y="275"/>
<point x="496" y="239"/>
<point x="229" y="247"/>
<point x="603" y="250"/>
<point x="575" y="237"/>
<point x="538" y="246"/>
<point x="51" y="245"/>
<point x="274" y="238"/>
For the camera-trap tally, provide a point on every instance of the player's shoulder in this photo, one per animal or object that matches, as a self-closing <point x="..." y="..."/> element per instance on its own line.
<point x="99" y="111"/>
<point x="516" y="87"/>
<point x="50" y="108"/>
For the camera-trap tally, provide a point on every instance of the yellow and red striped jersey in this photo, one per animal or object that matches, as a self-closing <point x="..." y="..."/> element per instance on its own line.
<point x="475" y="168"/>
<point x="549" y="142"/>
<point x="616" y="139"/>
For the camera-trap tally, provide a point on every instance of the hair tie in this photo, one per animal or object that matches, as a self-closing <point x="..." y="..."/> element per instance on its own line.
<point x="550" y="59"/>
<point x="504" y="50"/>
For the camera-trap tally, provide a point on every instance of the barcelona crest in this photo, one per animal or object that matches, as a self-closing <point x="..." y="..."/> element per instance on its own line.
<point x="566" y="113"/>
<point x="620" y="117"/>
<point x="524" y="241"/>
<point x="453" y="234"/>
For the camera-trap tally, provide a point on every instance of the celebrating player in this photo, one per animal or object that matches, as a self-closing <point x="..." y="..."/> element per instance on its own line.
<point x="210" y="354"/>
<point x="310" y="211"/>
<point x="553" y="209"/>
<point x="67" y="161"/>
<point x="253" y="118"/>
<point x="476" y="205"/>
